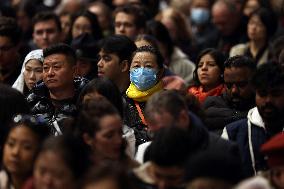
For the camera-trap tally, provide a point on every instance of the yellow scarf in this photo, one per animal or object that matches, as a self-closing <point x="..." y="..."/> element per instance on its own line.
<point x="142" y="96"/>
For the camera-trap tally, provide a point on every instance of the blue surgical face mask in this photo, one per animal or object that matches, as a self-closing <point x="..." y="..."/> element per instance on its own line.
<point x="143" y="78"/>
<point x="199" y="16"/>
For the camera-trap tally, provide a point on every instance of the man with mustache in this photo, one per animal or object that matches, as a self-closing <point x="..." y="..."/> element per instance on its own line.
<point x="263" y="121"/>
<point x="238" y="97"/>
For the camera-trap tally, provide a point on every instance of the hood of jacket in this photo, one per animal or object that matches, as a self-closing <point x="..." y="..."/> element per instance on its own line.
<point x="255" y="118"/>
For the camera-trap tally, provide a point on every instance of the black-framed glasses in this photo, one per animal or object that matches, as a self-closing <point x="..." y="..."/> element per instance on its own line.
<point x="240" y="84"/>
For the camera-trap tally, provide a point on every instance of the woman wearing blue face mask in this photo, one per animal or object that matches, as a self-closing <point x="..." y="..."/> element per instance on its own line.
<point x="146" y="72"/>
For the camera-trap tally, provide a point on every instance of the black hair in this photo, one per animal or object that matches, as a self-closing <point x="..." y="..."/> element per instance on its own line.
<point x="171" y="147"/>
<point x="108" y="170"/>
<point x="240" y="62"/>
<point x="90" y="114"/>
<point x="12" y="102"/>
<point x="37" y="126"/>
<point x="149" y="38"/>
<point x="161" y="33"/>
<point x="275" y="48"/>
<point x="169" y="101"/>
<point x="152" y="50"/>
<point x="214" y="164"/>
<point x="268" y="18"/>
<point x="137" y="12"/>
<point x="61" y="48"/>
<point x="46" y="16"/>
<point x="10" y="29"/>
<point x="96" y="30"/>
<point x="120" y="45"/>
<point x="106" y="88"/>
<point x="269" y="75"/>
<point x="72" y="151"/>
<point x="217" y="55"/>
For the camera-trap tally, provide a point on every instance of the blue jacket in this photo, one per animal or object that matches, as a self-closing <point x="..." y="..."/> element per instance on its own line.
<point x="249" y="134"/>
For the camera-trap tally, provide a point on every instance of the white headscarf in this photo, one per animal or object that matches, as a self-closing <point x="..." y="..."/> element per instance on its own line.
<point x="20" y="82"/>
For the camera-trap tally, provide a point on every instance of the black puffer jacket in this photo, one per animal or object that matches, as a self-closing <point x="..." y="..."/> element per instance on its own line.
<point x="54" y="111"/>
<point x="133" y="120"/>
<point x="219" y="112"/>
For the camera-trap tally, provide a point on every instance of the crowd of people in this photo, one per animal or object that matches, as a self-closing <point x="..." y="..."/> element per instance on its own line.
<point x="142" y="94"/>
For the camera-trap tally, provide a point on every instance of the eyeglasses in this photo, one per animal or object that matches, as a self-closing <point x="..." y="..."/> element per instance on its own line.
<point x="25" y="118"/>
<point x="240" y="84"/>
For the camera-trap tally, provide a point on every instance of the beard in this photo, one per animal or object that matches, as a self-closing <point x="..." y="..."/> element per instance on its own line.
<point x="272" y="116"/>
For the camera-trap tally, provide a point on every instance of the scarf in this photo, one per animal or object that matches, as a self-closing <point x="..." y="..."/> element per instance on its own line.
<point x="20" y="82"/>
<point x="142" y="96"/>
<point x="201" y="95"/>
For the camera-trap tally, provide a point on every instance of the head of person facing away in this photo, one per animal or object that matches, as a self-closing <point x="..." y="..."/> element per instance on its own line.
<point x="167" y="108"/>
<point x="168" y="164"/>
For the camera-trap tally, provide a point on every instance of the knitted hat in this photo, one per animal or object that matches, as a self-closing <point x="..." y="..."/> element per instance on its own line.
<point x="274" y="149"/>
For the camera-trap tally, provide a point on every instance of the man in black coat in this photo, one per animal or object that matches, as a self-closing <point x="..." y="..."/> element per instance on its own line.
<point x="238" y="97"/>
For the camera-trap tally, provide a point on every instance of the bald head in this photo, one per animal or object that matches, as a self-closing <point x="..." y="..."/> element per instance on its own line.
<point x="225" y="16"/>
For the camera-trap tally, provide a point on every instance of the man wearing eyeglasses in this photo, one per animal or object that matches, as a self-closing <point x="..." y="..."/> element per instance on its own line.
<point x="10" y="37"/>
<point x="238" y="97"/>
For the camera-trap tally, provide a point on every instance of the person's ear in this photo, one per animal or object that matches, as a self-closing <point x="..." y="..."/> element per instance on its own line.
<point x="183" y="119"/>
<point x="124" y="66"/>
<point x="87" y="139"/>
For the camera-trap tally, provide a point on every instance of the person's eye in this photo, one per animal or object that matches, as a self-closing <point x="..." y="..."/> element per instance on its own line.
<point x="57" y="67"/>
<point x="10" y="143"/>
<point x="28" y="146"/>
<point x="200" y="65"/>
<point x="45" y="68"/>
<point x="107" y="58"/>
<point x="212" y="64"/>
<point x="39" y="70"/>
<point x="148" y="66"/>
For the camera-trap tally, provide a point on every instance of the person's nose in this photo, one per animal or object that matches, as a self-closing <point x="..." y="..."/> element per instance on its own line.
<point x="121" y="28"/>
<point x="100" y="63"/>
<point x="204" y="67"/>
<point x="50" y="72"/>
<point x="16" y="150"/>
<point x="235" y="89"/>
<point x="44" y="35"/>
<point x="32" y="75"/>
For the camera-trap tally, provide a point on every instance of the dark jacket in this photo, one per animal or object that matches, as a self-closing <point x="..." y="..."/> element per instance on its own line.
<point x="203" y="140"/>
<point x="134" y="121"/>
<point x="218" y="112"/>
<point x="249" y="139"/>
<point x="52" y="110"/>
